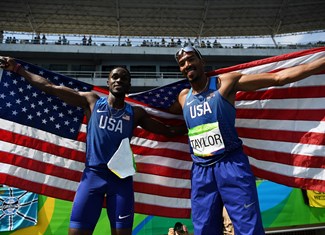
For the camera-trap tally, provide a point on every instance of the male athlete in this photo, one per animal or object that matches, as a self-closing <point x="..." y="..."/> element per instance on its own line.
<point x="221" y="173"/>
<point x="110" y="120"/>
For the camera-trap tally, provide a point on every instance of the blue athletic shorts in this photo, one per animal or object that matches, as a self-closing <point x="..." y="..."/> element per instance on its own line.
<point x="229" y="182"/>
<point x="89" y="198"/>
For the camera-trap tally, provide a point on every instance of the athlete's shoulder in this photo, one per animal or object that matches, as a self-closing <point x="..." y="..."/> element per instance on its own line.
<point x="182" y="96"/>
<point x="184" y="92"/>
<point x="90" y="95"/>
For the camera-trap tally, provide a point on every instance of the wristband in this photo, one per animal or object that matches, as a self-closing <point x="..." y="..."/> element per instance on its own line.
<point x="16" y="68"/>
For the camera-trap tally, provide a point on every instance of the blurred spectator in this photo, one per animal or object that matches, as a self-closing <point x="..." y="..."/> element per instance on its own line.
<point x="216" y="44"/>
<point x="228" y="228"/>
<point x="1" y="36"/>
<point x="179" y="43"/>
<point x="8" y="39"/>
<point x="128" y="43"/>
<point x="179" y="229"/>
<point x="43" y="39"/>
<point x="208" y="44"/>
<point x="37" y="39"/>
<point x="172" y="43"/>
<point x="84" y="41"/>
<point x="64" y="40"/>
<point x="196" y="42"/>
<point x="188" y="43"/>
<point x="144" y="43"/>
<point x="89" y="41"/>
<point x="59" y="42"/>
<point x="238" y="46"/>
<point x="163" y="42"/>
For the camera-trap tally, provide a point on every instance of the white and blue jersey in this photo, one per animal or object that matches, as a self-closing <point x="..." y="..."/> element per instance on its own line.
<point x="105" y="131"/>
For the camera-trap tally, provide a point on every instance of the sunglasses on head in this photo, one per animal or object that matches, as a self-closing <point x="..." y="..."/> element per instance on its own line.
<point x="187" y="49"/>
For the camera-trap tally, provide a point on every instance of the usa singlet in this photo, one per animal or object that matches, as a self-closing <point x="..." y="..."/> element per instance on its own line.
<point x="210" y="119"/>
<point x="106" y="129"/>
<point x="221" y="174"/>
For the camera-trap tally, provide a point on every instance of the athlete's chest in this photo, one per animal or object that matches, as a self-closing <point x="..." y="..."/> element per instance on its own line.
<point x="200" y="105"/>
<point x="112" y="120"/>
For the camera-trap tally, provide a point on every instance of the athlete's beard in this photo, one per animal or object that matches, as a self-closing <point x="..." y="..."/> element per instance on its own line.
<point x="194" y="79"/>
<point x="197" y="74"/>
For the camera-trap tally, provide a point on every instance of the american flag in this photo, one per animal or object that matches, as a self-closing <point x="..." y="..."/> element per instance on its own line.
<point x="282" y="129"/>
<point x="42" y="138"/>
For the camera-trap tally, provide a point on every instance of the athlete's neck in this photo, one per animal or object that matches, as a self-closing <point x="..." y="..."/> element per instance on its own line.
<point x="116" y="102"/>
<point x="199" y="85"/>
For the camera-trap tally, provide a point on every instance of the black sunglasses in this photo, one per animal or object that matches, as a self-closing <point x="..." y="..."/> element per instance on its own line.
<point x="187" y="49"/>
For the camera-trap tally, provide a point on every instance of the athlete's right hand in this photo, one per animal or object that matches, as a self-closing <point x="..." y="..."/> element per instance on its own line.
<point x="7" y="63"/>
<point x="2" y="62"/>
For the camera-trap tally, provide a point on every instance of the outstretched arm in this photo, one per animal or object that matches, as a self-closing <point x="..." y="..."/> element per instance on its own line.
<point x="249" y="82"/>
<point x="68" y="95"/>
<point x="230" y="83"/>
<point x="143" y="119"/>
